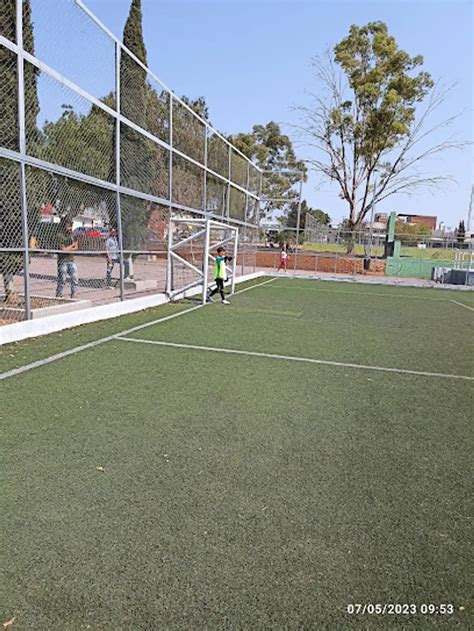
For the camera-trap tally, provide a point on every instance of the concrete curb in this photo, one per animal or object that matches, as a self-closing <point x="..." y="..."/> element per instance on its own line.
<point x="51" y="324"/>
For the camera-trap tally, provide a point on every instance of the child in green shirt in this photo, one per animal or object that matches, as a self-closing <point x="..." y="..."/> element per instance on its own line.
<point x="220" y="275"/>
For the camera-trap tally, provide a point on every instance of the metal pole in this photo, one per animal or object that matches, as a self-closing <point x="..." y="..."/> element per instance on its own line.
<point x="260" y="192"/>
<point x="298" y="219"/>
<point x="22" y="147"/>
<point x="469" y="214"/>
<point x="234" y="260"/>
<point x="229" y="174"/>
<point x="242" y="261"/>
<point x="372" y="213"/>
<point x="205" y="270"/>
<point x="169" y="271"/>
<point x="259" y="208"/>
<point x="118" y="203"/>
<point x="169" y="287"/>
<point x="204" y="188"/>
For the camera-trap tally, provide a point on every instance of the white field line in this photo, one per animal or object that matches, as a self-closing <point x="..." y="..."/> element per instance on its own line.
<point x="373" y="293"/>
<point x="265" y="282"/>
<point x="461" y="304"/>
<point x="109" y="338"/>
<point x="307" y="360"/>
<point x="364" y="293"/>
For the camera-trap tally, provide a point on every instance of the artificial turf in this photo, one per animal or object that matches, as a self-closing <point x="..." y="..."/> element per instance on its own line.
<point x="238" y="491"/>
<point x="30" y="350"/>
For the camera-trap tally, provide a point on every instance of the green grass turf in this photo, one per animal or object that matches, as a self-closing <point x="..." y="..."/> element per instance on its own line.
<point x="238" y="492"/>
<point x="30" y="350"/>
<point x="403" y="328"/>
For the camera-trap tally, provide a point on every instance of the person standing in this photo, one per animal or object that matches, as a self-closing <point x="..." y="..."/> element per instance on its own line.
<point x="67" y="243"/>
<point x="220" y="275"/>
<point x="113" y="255"/>
<point x="283" y="259"/>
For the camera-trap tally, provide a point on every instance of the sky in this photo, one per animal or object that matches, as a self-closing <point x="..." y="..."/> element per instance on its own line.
<point x="251" y="60"/>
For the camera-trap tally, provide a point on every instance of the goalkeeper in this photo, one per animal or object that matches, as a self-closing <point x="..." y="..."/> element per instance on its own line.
<point x="220" y="275"/>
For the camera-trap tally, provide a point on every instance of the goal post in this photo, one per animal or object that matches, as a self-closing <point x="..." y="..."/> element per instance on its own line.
<point x="192" y="243"/>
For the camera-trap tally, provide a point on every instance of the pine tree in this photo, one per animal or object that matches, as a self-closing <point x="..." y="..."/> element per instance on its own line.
<point x="31" y="77"/>
<point x="132" y="75"/>
<point x="461" y="232"/>
<point x="137" y="164"/>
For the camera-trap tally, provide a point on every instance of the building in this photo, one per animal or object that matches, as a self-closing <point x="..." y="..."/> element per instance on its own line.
<point x="429" y="221"/>
<point x="381" y="218"/>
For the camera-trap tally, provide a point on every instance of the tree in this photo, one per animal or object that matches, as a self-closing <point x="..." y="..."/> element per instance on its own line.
<point x="292" y="217"/>
<point x="189" y="138"/>
<point x="273" y="151"/>
<point x="461" y="232"/>
<point x="410" y="234"/>
<point x="199" y="106"/>
<point x="84" y="142"/>
<point x="366" y="123"/>
<point x="137" y="152"/>
<point x="10" y="206"/>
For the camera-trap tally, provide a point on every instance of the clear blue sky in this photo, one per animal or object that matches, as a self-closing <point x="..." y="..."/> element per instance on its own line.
<point x="251" y="61"/>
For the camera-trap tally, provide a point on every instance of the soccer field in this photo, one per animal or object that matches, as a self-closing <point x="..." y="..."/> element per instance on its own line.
<point x="261" y="465"/>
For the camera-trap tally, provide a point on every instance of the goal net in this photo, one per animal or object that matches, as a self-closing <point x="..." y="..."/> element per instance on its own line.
<point x="192" y="248"/>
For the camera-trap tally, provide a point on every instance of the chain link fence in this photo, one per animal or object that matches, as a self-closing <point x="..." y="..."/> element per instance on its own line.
<point x="95" y="154"/>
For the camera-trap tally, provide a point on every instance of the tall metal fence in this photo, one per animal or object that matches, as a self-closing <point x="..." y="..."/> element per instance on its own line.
<point x="371" y="239"/>
<point x="321" y="249"/>
<point x="96" y="152"/>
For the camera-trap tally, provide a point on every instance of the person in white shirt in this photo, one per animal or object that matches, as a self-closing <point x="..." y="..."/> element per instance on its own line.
<point x="283" y="259"/>
<point x="112" y="251"/>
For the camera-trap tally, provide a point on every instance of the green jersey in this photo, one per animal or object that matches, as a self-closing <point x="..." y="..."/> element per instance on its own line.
<point x="219" y="267"/>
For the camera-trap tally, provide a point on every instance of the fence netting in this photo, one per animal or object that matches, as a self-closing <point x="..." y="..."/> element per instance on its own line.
<point x="95" y="153"/>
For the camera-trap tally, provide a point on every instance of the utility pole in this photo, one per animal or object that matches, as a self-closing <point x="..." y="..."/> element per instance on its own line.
<point x="469" y="214"/>
<point x="372" y="214"/>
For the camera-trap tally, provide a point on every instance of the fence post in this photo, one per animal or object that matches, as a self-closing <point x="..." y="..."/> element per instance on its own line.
<point x="22" y="147"/>
<point x="205" y="271"/>
<point x="298" y="220"/>
<point x="234" y="259"/>
<point x="118" y="201"/>
<point x="229" y="176"/>
<point x="169" y="281"/>
<point x="169" y="272"/>
<point x="204" y="187"/>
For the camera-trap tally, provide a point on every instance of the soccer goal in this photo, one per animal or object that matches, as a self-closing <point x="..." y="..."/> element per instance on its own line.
<point x="192" y="246"/>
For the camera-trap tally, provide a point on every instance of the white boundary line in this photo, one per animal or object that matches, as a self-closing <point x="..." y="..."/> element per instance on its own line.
<point x="375" y="293"/>
<point x="362" y="293"/>
<point x="265" y="282"/>
<point x="461" y="304"/>
<point x="308" y="360"/>
<point x="109" y="338"/>
<point x="383" y="281"/>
